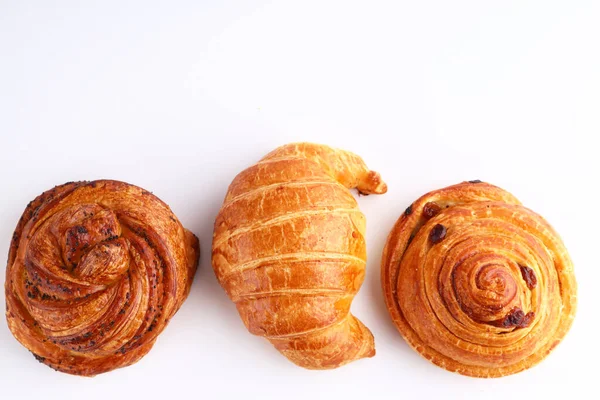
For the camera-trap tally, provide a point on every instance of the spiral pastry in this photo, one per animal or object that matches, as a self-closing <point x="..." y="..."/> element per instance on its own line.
<point x="95" y="271"/>
<point x="289" y="249"/>
<point x="477" y="283"/>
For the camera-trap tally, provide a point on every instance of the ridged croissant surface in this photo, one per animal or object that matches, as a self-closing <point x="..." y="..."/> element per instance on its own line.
<point x="477" y="283"/>
<point x="289" y="250"/>
<point x="95" y="271"/>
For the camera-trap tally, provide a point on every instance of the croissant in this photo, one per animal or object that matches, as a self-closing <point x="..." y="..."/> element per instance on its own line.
<point x="477" y="283"/>
<point x="95" y="272"/>
<point x="289" y="250"/>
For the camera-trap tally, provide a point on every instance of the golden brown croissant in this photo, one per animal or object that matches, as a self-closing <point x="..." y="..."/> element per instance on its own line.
<point x="95" y="271"/>
<point x="477" y="283"/>
<point x="289" y="250"/>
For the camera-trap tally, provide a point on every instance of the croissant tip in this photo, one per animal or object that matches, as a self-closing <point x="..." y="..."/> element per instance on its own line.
<point x="370" y="353"/>
<point x="373" y="184"/>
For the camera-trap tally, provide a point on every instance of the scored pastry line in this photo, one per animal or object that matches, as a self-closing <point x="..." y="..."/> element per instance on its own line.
<point x="299" y="256"/>
<point x="304" y="182"/>
<point x="281" y="218"/>
<point x="293" y="291"/>
<point x="313" y="331"/>
<point x="275" y="159"/>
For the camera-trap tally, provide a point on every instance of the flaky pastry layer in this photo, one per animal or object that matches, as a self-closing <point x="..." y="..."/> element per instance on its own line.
<point x="95" y="272"/>
<point x="477" y="283"/>
<point x="289" y="250"/>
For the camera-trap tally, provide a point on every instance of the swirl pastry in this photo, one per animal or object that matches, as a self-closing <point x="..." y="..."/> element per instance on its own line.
<point x="477" y="283"/>
<point x="289" y="250"/>
<point x="95" y="271"/>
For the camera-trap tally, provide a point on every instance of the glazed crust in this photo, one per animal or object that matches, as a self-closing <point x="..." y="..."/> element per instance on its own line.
<point x="95" y="271"/>
<point x="289" y="250"/>
<point x="491" y="297"/>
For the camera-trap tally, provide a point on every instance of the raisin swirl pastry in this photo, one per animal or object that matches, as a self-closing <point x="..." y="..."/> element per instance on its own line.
<point x="477" y="283"/>
<point x="95" y="271"/>
<point x="289" y="250"/>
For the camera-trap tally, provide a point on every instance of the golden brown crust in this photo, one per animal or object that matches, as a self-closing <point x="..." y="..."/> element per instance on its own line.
<point x="477" y="283"/>
<point x="289" y="250"/>
<point x="95" y="271"/>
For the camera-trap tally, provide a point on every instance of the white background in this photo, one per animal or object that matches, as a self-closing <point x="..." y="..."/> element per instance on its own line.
<point x="179" y="96"/>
